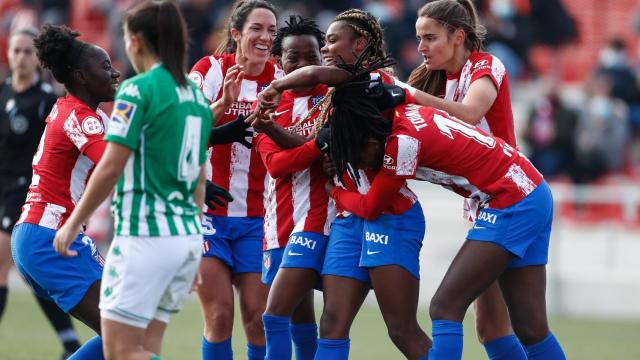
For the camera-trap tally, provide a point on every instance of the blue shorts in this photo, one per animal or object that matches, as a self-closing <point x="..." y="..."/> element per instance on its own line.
<point x="271" y="260"/>
<point x="342" y="257"/>
<point x="394" y="240"/>
<point x="523" y="229"/>
<point x="64" y="280"/>
<point x="236" y="241"/>
<point x="305" y="250"/>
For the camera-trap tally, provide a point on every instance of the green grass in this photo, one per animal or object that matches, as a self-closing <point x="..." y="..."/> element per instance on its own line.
<point x="25" y="334"/>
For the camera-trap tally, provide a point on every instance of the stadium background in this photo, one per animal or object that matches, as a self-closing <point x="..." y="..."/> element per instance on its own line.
<point x="584" y="53"/>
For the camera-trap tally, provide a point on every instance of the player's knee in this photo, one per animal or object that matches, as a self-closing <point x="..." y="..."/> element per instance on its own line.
<point x="218" y="322"/>
<point x="531" y="332"/>
<point x="333" y="325"/>
<point x="254" y="328"/>
<point x="401" y="333"/>
<point x="442" y="308"/>
<point x="488" y="329"/>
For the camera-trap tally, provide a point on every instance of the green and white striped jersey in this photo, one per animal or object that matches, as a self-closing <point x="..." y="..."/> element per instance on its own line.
<point x="167" y="127"/>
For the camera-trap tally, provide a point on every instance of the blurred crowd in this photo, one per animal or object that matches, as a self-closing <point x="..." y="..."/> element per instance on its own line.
<point x="582" y="138"/>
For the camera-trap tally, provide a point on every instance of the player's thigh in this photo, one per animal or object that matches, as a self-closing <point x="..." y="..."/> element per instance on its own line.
<point x="252" y="293"/>
<point x="216" y="290"/>
<point x="153" y="336"/>
<point x="343" y="297"/>
<point x="122" y="341"/>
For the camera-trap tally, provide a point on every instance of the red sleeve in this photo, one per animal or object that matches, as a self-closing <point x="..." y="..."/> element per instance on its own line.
<point x="83" y="130"/>
<point x="280" y="162"/>
<point x="95" y="150"/>
<point x="489" y="66"/>
<point x="371" y="205"/>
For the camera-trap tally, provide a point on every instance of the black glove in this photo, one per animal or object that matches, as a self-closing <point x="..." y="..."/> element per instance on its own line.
<point x="323" y="138"/>
<point x="214" y="194"/>
<point x="233" y="131"/>
<point x="387" y="96"/>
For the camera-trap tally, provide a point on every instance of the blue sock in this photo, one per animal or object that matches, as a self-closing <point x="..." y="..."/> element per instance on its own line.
<point x="330" y="349"/>
<point x="218" y="351"/>
<point x="447" y="340"/>
<point x="92" y="349"/>
<point x="256" y="352"/>
<point x="505" y="348"/>
<point x="547" y="349"/>
<point x="305" y="340"/>
<point x="276" y="331"/>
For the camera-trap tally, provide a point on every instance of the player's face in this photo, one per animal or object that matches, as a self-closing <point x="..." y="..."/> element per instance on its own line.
<point x="22" y="55"/>
<point x="372" y="154"/>
<point x="342" y="45"/>
<point x="102" y="78"/>
<point x="256" y="38"/>
<point x="435" y="43"/>
<point x="299" y="51"/>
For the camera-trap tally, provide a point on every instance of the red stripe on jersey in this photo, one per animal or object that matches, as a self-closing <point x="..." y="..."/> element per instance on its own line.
<point x="296" y="200"/>
<point x="60" y="166"/>
<point x="429" y="144"/>
<point x="235" y="168"/>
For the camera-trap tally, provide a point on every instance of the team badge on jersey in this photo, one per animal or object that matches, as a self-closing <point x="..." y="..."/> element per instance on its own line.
<point x="316" y="99"/>
<point x="123" y="112"/>
<point x="197" y="78"/>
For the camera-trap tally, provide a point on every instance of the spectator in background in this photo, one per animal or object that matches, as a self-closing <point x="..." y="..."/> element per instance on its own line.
<point x="550" y="133"/>
<point x="601" y="134"/>
<point x="615" y="64"/>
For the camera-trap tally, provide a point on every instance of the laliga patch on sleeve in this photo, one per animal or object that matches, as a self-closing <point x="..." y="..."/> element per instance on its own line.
<point x="123" y="112"/>
<point x="92" y="126"/>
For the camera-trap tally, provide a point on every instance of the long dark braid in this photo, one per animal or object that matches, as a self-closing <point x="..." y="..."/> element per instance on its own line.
<point x="356" y="117"/>
<point x="364" y="24"/>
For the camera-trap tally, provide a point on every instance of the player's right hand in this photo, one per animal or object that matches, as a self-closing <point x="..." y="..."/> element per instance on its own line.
<point x="64" y="238"/>
<point x="269" y="98"/>
<point x="233" y="131"/>
<point x="232" y="83"/>
<point x="214" y="194"/>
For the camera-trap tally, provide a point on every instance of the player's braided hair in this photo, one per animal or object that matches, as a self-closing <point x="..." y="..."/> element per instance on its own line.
<point x="364" y="24"/>
<point x="356" y="117"/>
<point x="297" y="25"/>
<point x="59" y="51"/>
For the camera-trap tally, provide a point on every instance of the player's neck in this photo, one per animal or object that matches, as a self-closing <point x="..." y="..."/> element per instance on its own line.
<point x="250" y="68"/>
<point x="22" y="83"/>
<point x="460" y="57"/>
<point x="85" y="98"/>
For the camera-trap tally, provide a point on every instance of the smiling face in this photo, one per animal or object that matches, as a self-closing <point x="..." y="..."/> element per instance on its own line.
<point x="256" y="36"/>
<point x="342" y="44"/>
<point x="22" y="55"/>
<point x="436" y="44"/>
<point x="299" y="51"/>
<point x="102" y="79"/>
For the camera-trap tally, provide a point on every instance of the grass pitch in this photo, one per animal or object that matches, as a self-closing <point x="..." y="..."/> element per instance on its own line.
<point x="26" y="335"/>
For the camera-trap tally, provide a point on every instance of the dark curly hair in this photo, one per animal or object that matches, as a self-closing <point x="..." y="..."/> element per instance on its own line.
<point x="59" y="51"/>
<point x="297" y="25"/>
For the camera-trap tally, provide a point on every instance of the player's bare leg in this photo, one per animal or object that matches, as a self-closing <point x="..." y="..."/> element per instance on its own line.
<point x="289" y="288"/>
<point x="125" y="342"/>
<point x="343" y="298"/>
<point x="253" y="301"/>
<point x="397" y="292"/>
<point x="87" y="309"/>
<point x="492" y="315"/>
<point x="216" y="299"/>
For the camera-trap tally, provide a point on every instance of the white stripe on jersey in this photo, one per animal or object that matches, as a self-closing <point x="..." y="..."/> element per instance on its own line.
<point x="143" y="226"/>
<point x="407" y="155"/>
<point x="331" y="215"/>
<point x="300" y="191"/>
<point x="239" y="179"/>
<point x="52" y="216"/>
<point x="179" y="224"/>
<point x="160" y="208"/>
<point x="127" y="198"/>
<point x="271" y="215"/>
<point x="448" y="180"/>
<point x="79" y="175"/>
<point x="212" y="88"/>
<point x="248" y="91"/>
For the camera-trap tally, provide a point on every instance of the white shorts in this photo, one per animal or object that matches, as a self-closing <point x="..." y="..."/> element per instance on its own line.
<point x="147" y="278"/>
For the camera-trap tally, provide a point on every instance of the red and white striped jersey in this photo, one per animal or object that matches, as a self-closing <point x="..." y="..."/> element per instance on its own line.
<point x="233" y="166"/>
<point x="429" y="144"/>
<point x="498" y="121"/>
<point x="296" y="199"/>
<point x="69" y="149"/>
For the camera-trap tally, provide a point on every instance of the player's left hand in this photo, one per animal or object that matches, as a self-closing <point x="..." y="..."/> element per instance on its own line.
<point x="233" y="131"/>
<point x="64" y="237"/>
<point x="269" y="98"/>
<point x="214" y="194"/>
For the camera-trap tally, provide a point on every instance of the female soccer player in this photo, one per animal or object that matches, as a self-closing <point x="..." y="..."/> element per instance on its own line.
<point x="156" y="150"/>
<point x="474" y="87"/>
<point x="233" y="234"/>
<point x="69" y="149"/>
<point x="356" y="34"/>
<point x="510" y="238"/>
<point x="298" y="211"/>
<point x="25" y="101"/>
